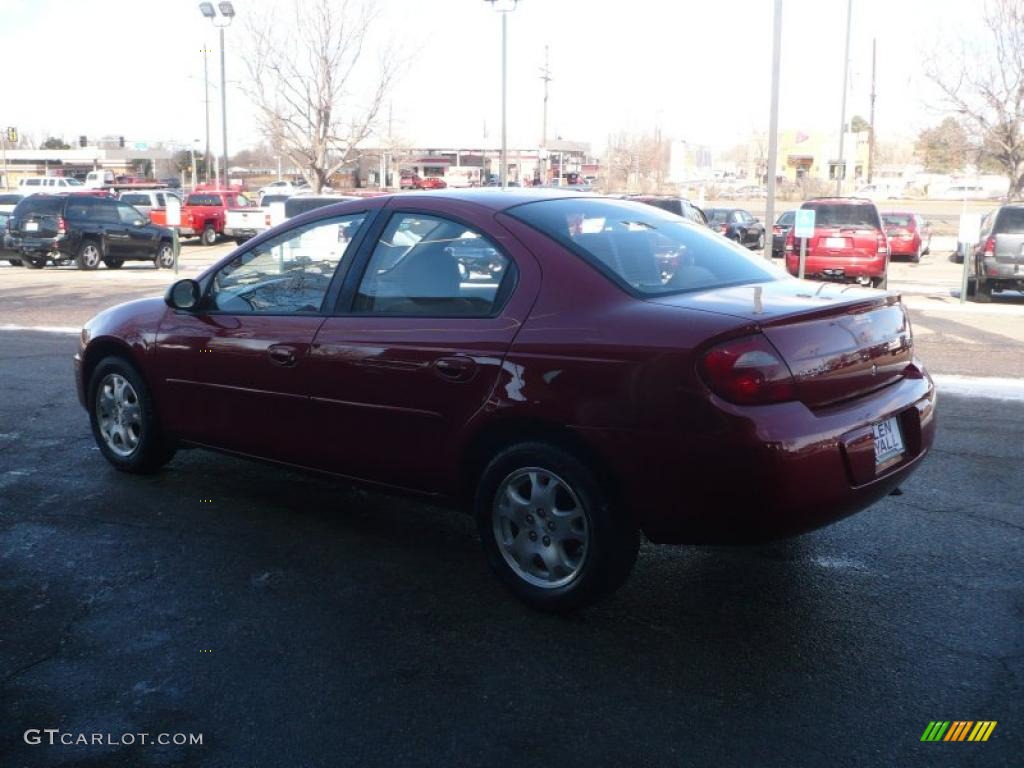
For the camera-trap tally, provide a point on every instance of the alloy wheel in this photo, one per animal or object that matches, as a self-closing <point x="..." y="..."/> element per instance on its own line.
<point x="119" y="414"/>
<point x="540" y="527"/>
<point x="90" y="256"/>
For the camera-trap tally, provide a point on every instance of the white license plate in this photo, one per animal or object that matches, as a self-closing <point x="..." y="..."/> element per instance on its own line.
<point x="888" y="442"/>
<point x="835" y="242"/>
<point x="31" y="226"/>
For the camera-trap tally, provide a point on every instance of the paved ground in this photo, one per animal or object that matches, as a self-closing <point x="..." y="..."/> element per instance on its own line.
<point x="295" y="621"/>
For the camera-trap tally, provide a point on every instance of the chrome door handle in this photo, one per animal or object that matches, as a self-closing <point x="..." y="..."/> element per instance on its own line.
<point x="456" y="368"/>
<point x="282" y="354"/>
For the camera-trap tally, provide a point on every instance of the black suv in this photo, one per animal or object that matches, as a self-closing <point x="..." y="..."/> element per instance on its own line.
<point x="85" y="230"/>
<point x="999" y="257"/>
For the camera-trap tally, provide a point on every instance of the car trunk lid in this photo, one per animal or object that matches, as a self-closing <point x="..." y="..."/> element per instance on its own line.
<point x="1009" y="248"/>
<point x="839" y="341"/>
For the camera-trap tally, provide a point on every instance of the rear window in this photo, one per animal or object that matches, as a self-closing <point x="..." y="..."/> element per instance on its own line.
<point x="1011" y="221"/>
<point x="135" y="199"/>
<point x="717" y="215"/>
<point x="204" y="200"/>
<point x="270" y="199"/>
<point x="10" y="199"/>
<point x="844" y="215"/>
<point x="786" y="219"/>
<point x="293" y="206"/>
<point x="642" y="248"/>
<point x="897" y="220"/>
<point x="41" y="206"/>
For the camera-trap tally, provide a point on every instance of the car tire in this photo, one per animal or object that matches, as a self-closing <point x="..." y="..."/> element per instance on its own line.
<point x="982" y="291"/>
<point x="123" y="418"/>
<point x="916" y="258"/>
<point x="760" y="242"/>
<point x="33" y="262"/>
<point x="591" y="545"/>
<point x="89" y="255"/>
<point x="164" y="256"/>
<point x="113" y="263"/>
<point x="14" y="262"/>
<point x="209" y="236"/>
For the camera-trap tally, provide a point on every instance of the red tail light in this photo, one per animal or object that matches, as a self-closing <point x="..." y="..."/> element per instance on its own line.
<point x="60" y="227"/>
<point x="790" y="241"/>
<point x="723" y="228"/>
<point x="882" y="243"/>
<point x="776" y="230"/>
<point x="748" y="371"/>
<point x="990" y="246"/>
<point x="266" y="219"/>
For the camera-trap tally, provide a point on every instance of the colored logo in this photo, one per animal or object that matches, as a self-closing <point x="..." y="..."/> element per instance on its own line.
<point x="958" y="730"/>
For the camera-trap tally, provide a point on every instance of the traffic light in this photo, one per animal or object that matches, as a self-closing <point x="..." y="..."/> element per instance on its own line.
<point x="83" y="141"/>
<point x="12" y="135"/>
<point x="120" y="141"/>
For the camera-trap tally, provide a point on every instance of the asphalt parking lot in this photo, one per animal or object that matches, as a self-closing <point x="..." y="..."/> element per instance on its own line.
<point x="295" y="620"/>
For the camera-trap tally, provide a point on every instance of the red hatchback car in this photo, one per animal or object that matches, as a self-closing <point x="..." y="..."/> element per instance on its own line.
<point x="909" y="235"/>
<point x="572" y="398"/>
<point x="849" y="243"/>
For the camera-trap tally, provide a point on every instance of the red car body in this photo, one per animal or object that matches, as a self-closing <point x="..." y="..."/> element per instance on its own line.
<point x="729" y="414"/>
<point x="849" y="243"/>
<point x="907" y="234"/>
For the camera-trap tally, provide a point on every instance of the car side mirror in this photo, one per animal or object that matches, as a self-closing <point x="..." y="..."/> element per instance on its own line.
<point x="183" y="294"/>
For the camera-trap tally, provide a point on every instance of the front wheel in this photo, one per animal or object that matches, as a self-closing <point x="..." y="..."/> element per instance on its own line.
<point x="209" y="236"/>
<point x="550" y="530"/>
<point x="89" y="255"/>
<point x="164" y="256"/>
<point x="123" y="418"/>
<point x="760" y="242"/>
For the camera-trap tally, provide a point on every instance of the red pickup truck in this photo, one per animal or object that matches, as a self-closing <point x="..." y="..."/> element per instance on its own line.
<point x="203" y="213"/>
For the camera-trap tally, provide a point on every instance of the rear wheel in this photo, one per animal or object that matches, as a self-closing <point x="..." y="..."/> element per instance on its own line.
<point x="209" y="236"/>
<point x="982" y="291"/>
<point x="164" y="256"/>
<point x="917" y="256"/>
<point x="89" y="256"/>
<point x="549" y="529"/>
<point x="112" y="263"/>
<point x="760" y="241"/>
<point x="123" y="418"/>
<point x="14" y="262"/>
<point x="32" y="261"/>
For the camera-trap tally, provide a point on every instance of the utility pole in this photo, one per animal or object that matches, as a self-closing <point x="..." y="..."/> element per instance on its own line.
<point x="871" y="134"/>
<point x="545" y="75"/>
<point x="841" y="170"/>
<point x="773" y="125"/>
<point x="206" y="100"/>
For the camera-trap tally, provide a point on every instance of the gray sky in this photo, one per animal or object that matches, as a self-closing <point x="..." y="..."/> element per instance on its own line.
<point x="699" y="70"/>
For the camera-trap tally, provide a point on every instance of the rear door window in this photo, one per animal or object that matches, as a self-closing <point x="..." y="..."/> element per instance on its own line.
<point x="643" y="249"/>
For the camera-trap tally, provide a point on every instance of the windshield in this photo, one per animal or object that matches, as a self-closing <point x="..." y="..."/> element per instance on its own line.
<point x="135" y="199"/>
<point x="643" y="248"/>
<point x="204" y="200"/>
<point x="844" y="215"/>
<point x="786" y="219"/>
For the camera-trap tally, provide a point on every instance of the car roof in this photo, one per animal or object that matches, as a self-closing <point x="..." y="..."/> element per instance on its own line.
<point x="494" y="198"/>
<point x="840" y="200"/>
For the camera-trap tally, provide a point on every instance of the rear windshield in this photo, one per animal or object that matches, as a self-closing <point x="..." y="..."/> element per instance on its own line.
<point x="672" y="206"/>
<point x="43" y="206"/>
<point x="135" y="199"/>
<point x="719" y="215"/>
<point x="270" y="199"/>
<point x="786" y="219"/>
<point x="642" y="248"/>
<point x="293" y="206"/>
<point x="204" y="200"/>
<point x="844" y="215"/>
<point x="897" y="220"/>
<point x="1011" y="221"/>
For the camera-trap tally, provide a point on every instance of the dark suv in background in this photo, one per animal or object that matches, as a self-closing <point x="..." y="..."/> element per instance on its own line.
<point x="85" y="230"/>
<point x="999" y="256"/>
<point x="677" y="205"/>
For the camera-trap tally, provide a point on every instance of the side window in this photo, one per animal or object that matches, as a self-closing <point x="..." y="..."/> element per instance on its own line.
<point x="105" y="211"/>
<point x="289" y="274"/>
<point x="427" y="265"/>
<point x="127" y="214"/>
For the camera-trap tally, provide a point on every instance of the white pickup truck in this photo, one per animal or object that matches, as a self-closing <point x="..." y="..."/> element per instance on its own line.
<point x="242" y="224"/>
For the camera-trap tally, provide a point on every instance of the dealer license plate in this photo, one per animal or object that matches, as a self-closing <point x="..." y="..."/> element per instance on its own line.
<point x="31" y="226"/>
<point x="888" y="443"/>
<point x="835" y="242"/>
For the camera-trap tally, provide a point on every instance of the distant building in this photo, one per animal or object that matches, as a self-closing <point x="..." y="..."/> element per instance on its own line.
<point x="22" y="163"/>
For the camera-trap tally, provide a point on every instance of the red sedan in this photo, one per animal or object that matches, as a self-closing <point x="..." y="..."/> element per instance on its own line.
<point x="579" y="394"/>
<point x="908" y="234"/>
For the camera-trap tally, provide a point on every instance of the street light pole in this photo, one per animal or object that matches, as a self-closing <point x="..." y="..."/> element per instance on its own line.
<point x="504" y="11"/>
<point x="224" y="107"/>
<point x="841" y="170"/>
<point x="773" y="127"/>
<point x="206" y="102"/>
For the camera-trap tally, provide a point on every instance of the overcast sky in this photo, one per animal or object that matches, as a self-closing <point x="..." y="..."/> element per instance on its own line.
<point x="699" y="70"/>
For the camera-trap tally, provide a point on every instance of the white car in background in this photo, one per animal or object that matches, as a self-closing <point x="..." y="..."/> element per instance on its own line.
<point x="282" y="188"/>
<point x="50" y="184"/>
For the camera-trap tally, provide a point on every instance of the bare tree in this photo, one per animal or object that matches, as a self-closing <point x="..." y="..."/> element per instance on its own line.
<point x="308" y="80"/>
<point x="635" y="163"/>
<point x="986" y="87"/>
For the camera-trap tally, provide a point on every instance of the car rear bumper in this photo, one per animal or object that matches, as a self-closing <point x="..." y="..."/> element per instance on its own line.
<point x="837" y="267"/>
<point x="900" y="247"/>
<point x="33" y="244"/>
<point x="1002" y="270"/>
<point x="241" y="232"/>
<point x="742" y="481"/>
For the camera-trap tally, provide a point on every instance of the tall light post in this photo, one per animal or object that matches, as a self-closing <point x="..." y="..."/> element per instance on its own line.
<point x="504" y="7"/>
<point x="841" y="170"/>
<point x="227" y="15"/>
